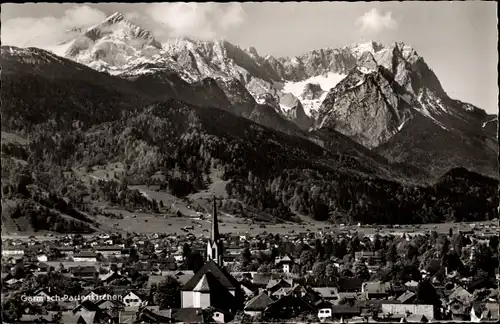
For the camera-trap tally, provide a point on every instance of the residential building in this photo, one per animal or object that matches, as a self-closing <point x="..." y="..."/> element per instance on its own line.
<point x="85" y="256"/>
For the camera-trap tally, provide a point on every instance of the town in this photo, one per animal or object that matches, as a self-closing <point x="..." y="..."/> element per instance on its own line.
<point x="327" y="276"/>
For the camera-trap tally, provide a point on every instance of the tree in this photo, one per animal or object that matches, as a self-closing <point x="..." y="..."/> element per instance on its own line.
<point x="361" y="271"/>
<point x="195" y="261"/>
<point x="13" y="309"/>
<point x="168" y="293"/>
<point x="341" y="249"/>
<point x="245" y="258"/>
<point x="393" y="253"/>
<point x="426" y="294"/>
<point x="494" y="243"/>
<point x="186" y="251"/>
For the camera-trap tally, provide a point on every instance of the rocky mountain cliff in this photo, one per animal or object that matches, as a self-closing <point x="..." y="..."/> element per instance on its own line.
<point x="373" y="93"/>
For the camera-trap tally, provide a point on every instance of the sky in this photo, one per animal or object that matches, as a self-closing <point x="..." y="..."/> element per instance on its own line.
<point x="458" y="40"/>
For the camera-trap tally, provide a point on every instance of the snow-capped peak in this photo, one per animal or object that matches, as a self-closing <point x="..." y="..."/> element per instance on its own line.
<point x="358" y="49"/>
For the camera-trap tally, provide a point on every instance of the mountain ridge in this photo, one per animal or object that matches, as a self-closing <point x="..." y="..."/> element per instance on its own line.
<point x="162" y="139"/>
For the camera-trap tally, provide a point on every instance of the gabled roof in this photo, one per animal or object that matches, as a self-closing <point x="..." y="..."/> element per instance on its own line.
<point x="225" y="279"/>
<point x="416" y="318"/>
<point x="406" y="296"/>
<point x="459" y="293"/>
<point x="261" y="279"/>
<point x="87" y="317"/>
<point x="85" y="254"/>
<point x="87" y="305"/>
<point x="206" y="283"/>
<point x="187" y="315"/>
<point x="376" y="287"/>
<point x="280" y="282"/>
<point x="258" y="303"/>
<point x="326" y="292"/>
<point x="36" y="318"/>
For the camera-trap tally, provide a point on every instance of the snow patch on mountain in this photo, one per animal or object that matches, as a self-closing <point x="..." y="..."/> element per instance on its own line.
<point x="327" y="82"/>
<point x="489" y="121"/>
<point x="427" y="108"/>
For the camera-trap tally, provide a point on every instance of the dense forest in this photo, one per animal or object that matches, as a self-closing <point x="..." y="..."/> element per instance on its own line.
<point x="176" y="146"/>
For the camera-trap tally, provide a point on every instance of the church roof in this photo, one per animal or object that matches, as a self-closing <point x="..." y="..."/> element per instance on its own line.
<point x="207" y="283"/>
<point x="220" y="274"/>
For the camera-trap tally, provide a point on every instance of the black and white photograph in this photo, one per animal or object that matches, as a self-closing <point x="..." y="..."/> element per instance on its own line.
<point x="250" y="162"/>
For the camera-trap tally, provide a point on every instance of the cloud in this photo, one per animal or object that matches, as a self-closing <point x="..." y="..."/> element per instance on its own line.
<point x="374" y="21"/>
<point x="48" y="31"/>
<point x="199" y="20"/>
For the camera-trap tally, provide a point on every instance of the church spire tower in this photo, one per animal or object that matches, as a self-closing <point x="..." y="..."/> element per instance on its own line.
<point x="215" y="248"/>
<point x="215" y="223"/>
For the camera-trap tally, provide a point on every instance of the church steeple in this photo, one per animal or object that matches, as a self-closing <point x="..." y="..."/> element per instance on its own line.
<point x="215" y="224"/>
<point x="215" y="248"/>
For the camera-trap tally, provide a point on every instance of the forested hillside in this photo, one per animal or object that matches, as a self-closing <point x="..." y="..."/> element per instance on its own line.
<point x="61" y="124"/>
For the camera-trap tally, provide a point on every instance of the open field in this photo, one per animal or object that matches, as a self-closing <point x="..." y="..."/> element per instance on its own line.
<point x="148" y="224"/>
<point x="195" y="205"/>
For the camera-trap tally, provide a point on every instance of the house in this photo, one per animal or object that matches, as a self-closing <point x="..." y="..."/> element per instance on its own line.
<point x="283" y="291"/>
<point x="376" y="290"/>
<point x="285" y="263"/>
<point x="182" y="276"/>
<point x="43" y="267"/>
<point x="408" y="309"/>
<point x="275" y="285"/>
<point x="42" y="257"/>
<point x="87" y="272"/>
<point x="287" y="307"/>
<point x="407" y="298"/>
<point x="261" y="280"/>
<point x="345" y="311"/>
<point x="111" y="276"/>
<point x="212" y="286"/>
<point x="461" y="295"/>
<point x="458" y="310"/>
<point x="327" y="293"/>
<point x="107" y="251"/>
<point x="12" y="251"/>
<point x="414" y="318"/>
<point x="128" y="315"/>
<point x="134" y="299"/>
<point x="42" y="295"/>
<point x="370" y="257"/>
<point x="411" y="284"/>
<point x="153" y="314"/>
<point x="187" y="315"/>
<point x="85" y="256"/>
<point x="67" y="250"/>
<point x="249" y="289"/>
<point x="109" y="304"/>
<point x="491" y="311"/>
<point x="476" y="312"/>
<point x="348" y="284"/>
<point x="86" y="306"/>
<point x="257" y="305"/>
<point x="47" y="318"/>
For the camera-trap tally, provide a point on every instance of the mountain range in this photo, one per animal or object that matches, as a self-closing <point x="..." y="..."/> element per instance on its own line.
<point x="364" y="111"/>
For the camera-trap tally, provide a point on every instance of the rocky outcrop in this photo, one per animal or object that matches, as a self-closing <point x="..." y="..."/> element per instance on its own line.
<point x="312" y="91"/>
<point x="242" y="102"/>
<point x="365" y="106"/>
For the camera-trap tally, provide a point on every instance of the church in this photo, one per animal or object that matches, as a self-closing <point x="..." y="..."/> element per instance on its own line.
<point x="212" y="285"/>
